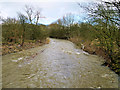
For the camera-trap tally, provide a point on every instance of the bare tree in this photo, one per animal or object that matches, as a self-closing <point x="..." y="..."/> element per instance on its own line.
<point x="33" y="14"/>
<point x="23" y="20"/>
<point x="29" y="11"/>
<point x="68" y="19"/>
<point x="38" y="14"/>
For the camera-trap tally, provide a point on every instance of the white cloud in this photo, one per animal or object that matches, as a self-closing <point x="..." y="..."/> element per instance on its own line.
<point x="47" y="0"/>
<point x="3" y="14"/>
<point x="51" y="9"/>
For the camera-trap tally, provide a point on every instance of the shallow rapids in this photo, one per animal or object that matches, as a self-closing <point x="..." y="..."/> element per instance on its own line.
<point x="56" y="65"/>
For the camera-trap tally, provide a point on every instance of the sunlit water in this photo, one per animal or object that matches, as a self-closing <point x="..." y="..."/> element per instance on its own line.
<point x="56" y="65"/>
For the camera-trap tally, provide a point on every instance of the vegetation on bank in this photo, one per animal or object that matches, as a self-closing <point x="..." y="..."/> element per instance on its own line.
<point x="23" y="32"/>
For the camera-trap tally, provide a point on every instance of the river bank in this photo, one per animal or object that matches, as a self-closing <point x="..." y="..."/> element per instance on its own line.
<point x="8" y="47"/>
<point x="92" y="47"/>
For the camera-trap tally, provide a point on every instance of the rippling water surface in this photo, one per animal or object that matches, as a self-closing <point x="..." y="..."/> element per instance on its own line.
<point x="56" y="65"/>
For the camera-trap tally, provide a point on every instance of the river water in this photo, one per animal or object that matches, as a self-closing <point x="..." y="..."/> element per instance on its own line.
<point x="56" y="65"/>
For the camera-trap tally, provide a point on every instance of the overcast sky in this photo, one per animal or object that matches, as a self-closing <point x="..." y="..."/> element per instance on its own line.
<point x="50" y="9"/>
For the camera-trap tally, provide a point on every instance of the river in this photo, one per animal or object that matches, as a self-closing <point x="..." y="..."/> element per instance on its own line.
<point x="58" y="64"/>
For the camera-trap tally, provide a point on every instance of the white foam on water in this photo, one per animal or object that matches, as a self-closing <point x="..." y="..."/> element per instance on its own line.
<point x="20" y="58"/>
<point x="14" y="60"/>
<point x="78" y="53"/>
<point x="85" y="53"/>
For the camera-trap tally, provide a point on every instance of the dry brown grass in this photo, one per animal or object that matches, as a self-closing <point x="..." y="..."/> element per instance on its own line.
<point x="13" y="48"/>
<point x="89" y="46"/>
<point x="47" y="40"/>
